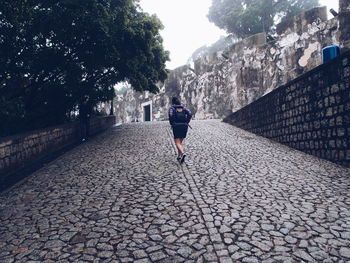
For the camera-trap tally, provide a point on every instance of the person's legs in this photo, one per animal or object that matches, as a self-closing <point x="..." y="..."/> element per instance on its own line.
<point x="82" y="130"/>
<point x="87" y="128"/>
<point x="179" y="135"/>
<point x="180" y="150"/>
<point x="183" y="152"/>
<point x="182" y="147"/>
<point x="183" y="155"/>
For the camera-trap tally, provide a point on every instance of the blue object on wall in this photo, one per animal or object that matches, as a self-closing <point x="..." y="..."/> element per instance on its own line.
<point x="330" y="52"/>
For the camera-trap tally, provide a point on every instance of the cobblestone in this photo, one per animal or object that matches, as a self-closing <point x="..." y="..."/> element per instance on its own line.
<point x="122" y="197"/>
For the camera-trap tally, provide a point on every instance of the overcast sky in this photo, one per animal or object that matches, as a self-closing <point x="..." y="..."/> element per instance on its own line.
<point x="187" y="26"/>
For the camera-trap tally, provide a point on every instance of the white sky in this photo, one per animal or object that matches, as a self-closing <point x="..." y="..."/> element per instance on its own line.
<point x="187" y="26"/>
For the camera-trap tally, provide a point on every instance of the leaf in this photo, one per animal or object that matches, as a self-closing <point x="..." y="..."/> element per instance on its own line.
<point x="244" y="18"/>
<point x="54" y="53"/>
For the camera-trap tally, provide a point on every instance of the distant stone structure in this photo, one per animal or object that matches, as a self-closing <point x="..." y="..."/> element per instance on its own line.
<point x="221" y="83"/>
<point x="344" y="27"/>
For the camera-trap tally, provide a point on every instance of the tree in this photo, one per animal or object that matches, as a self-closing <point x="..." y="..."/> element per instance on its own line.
<point x="244" y="18"/>
<point x="55" y="52"/>
<point x="222" y="44"/>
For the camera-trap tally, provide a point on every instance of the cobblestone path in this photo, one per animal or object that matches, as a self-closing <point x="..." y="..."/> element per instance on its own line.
<point x="122" y="197"/>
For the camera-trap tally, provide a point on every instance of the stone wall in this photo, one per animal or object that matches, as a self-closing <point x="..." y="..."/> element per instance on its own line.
<point x="214" y="87"/>
<point x="310" y="113"/>
<point x="344" y="18"/>
<point x="19" y="151"/>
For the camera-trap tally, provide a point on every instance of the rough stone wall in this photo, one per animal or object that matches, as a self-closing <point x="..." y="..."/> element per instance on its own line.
<point x="344" y="25"/>
<point x="214" y="87"/>
<point x="21" y="150"/>
<point x="310" y="113"/>
<point x="344" y="6"/>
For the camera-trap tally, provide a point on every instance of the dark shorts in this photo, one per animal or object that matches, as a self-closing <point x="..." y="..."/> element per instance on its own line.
<point x="180" y="131"/>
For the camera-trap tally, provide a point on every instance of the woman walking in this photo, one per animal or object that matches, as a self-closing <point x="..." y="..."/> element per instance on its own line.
<point x="179" y="118"/>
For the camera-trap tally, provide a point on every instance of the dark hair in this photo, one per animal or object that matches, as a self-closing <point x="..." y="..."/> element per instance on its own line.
<point x="175" y="101"/>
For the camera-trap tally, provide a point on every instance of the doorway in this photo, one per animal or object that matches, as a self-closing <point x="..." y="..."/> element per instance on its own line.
<point x="147" y="112"/>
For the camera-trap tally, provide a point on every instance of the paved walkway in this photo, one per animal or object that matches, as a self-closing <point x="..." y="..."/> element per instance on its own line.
<point x="121" y="197"/>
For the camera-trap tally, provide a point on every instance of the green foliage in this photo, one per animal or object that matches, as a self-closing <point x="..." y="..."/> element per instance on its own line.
<point x="55" y="52"/>
<point x="122" y="91"/>
<point x="244" y="18"/>
<point x="220" y="45"/>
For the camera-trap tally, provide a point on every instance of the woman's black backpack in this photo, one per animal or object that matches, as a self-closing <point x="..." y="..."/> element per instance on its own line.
<point x="180" y="115"/>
